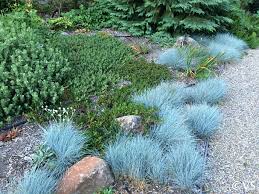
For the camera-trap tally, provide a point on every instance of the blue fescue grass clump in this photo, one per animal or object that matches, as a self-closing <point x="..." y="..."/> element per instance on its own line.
<point x="172" y="58"/>
<point x="37" y="182"/>
<point x="65" y="141"/>
<point x="166" y="94"/>
<point x="168" y="135"/>
<point x="231" y="40"/>
<point x="224" y="52"/>
<point x="210" y="91"/>
<point x="203" y="119"/>
<point x="172" y="131"/>
<point x="182" y="58"/>
<point x="227" y="47"/>
<point x="137" y="157"/>
<point x="185" y="166"/>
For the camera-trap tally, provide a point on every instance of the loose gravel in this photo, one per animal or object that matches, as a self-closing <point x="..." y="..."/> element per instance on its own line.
<point x="234" y="152"/>
<point x="16" y="155"/>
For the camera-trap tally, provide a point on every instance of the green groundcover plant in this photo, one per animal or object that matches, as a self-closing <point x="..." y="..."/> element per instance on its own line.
<point x="99" y="63"/>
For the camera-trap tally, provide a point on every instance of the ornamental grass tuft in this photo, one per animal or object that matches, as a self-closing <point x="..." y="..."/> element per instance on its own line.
<point x="66" y="143"/>
<point x="203" y="120"/>
<point x="210" y="91"/>
<point x="185" y="166"/>
<point x="166" y="94"/>
<point x="138" y="157"/>
<point x="37" y="182"/>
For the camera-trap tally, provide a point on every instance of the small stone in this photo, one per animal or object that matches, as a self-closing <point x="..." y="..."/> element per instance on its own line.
<point x="1" y="143"/>
<point x="123" y="83"/>
<point x="27" y="158"/>
<point x="86" y="177"/>
<point x="130" y="123"/>
<point x="185" y="41"/>
<point x="64" y="33"/>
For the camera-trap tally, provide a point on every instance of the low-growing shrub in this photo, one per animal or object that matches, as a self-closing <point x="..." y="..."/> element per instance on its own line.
<point x="185" y="166"/>
<point x="93" y="17"/>
<point x="63" y="144"/>
<point x="60" y="23"/>
<point x="95" y="60"/>
<point x="116" y="103"/>
<point x="203" y="120"/>
<point x="137" y="157"/>
<point x="37" y="182"/>
<point x="165" y="94"/>
<point x="163" y="39"/>
<point x="32" y="72"/>
<point x="210" y="91"/>
<point x="144" y="75"/>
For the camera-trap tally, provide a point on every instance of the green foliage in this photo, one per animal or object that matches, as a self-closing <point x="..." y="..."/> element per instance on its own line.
<point x="23" y="15"/>
<point x="246" y="26"/>
<point x="94" y="60"/>
<point x="92" y="17"/>
<point x="32" y="73"/>
<point x="163" y="39"/>
<point x="60" y="23"/>
<point x="143" y="74"/>
<point x="106" y="191"/>
<point x="148" y="16"/>
<point x="99" y="63"/>
<point x="6" y="4"/>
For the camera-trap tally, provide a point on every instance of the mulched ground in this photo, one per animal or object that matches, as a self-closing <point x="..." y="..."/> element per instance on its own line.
<point x="15" y="155"/>
<point x="125" y="186"/>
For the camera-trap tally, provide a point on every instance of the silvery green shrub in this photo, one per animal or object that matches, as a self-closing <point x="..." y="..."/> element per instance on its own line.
<point x="32" y="73"/>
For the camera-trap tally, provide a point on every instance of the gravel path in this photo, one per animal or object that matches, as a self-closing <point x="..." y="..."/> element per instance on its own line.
<point x="234" y="152"/>
<point x="15" y="155"/>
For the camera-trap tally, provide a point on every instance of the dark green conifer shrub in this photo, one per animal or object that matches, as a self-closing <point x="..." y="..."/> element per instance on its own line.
<point x="148" y="16"/>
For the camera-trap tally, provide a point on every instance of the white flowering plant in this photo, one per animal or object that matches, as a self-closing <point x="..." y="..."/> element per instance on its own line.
<point x="60" y="114"/>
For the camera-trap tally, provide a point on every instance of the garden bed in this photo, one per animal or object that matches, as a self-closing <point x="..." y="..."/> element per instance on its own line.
<point x="89" y="86"/>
